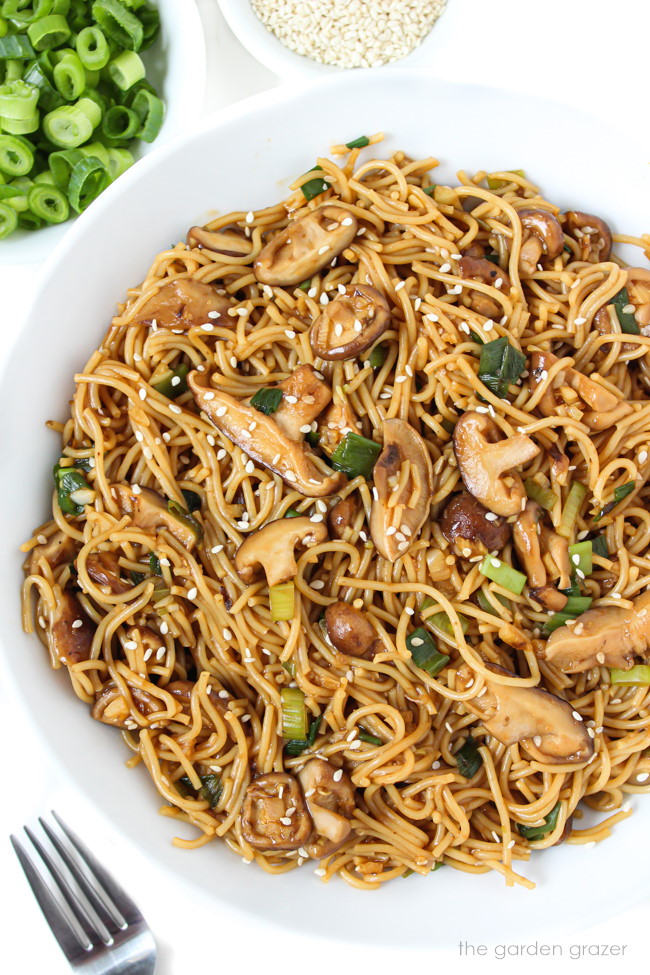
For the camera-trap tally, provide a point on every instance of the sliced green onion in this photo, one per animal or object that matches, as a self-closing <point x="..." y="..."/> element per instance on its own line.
<point x="485" y="603"/>
<point x="476" y="338"/>
<point x="48" y="203"/>
<point x="290" y="667"/>
<point x="468" y="758"/>
<point x="555" y="621"/>
<point x="16" y="156"/>
<point x="440" y="621"/>
<point x="96" y="149"/>
<point x="356" y="456"/>
<point x="68" y="481"/>
<point x="635" y="675"/>
<point x="534" y="833"/>
<point x="18" y="100"/>
<point x="13" y="126"/>
<point x="281" y="601"/>
<point x="61" y="165"/>
<point x="16" y="47"/>
<point x="70" y="125"/>
<point x="126" y="69"/>
<point x="120" y="123"/>
<point x="364" y="735"/>
<point x="360" y="143"/>
<point x="174" y="382"/>
<point x="305" y="285"/>
<point x="267" y="400"/>
<point x="294" y="714"/>
<point x="192" y="500"/>
<point x="500" y="366"/>
<point x="424" y="652"/>
<point x="496" y="184"/>
<point x="313" y="438"/>
<point x="493" y="259"/>
<point x="571" y="509"/>
<point x="211" y="789"/>
<point x="430" y="189"/>
<point x="92" y="48"/>
<point x="48" y="32"/>
<point x="544" y="497"/>
<point x="70" y="77"/>
<point x="577" y="604"/>
<point x="620" y="492"/>
<point x="581" y="558"/>
<point x="503" y="574"/>
<point x="136" y="577"/>
<point x="48" y="96"/>
<point x="150" y="111"/>
<point x="16" y="194"/>
<point x="154" y="564"/>
<point x="296" y="747"/>
<point x="626" y="319"/>
<point x="174" y="508"/>
<point x="599" y="546"/>
<point x="292" y="513"/>
<point x="314" y="187"/>
<point x="150" y="19"/>
<point x="118" y="24"/>
<point x="8" y="220"/>
<point x="119" y="160"/>
<point x="88" y="179"/>
<point x="377" y="357"/>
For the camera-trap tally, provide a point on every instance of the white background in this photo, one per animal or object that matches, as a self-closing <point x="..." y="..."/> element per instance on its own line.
<point x="590" y="53"/>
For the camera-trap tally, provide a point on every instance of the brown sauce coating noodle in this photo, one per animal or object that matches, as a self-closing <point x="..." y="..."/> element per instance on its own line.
<point x="413" y="809"/>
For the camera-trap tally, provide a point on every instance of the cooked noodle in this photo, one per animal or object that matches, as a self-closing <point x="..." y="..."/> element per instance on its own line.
<point x="414" y="809"/>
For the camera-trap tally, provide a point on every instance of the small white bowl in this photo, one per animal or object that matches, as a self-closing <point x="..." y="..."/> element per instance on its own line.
<point x="181" y="43"/>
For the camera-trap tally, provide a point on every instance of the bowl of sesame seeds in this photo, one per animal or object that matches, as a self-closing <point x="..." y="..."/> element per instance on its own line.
<point x="318" y="37"/>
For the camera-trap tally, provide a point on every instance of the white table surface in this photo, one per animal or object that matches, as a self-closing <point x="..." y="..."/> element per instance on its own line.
<point x="590" y="53"/>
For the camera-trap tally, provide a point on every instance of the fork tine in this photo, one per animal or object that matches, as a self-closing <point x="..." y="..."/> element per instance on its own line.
<point x="58" y="922"/>
<point x="116" y="894"/>
<point x="109" y="918"/>
<point x="78" y="908"/>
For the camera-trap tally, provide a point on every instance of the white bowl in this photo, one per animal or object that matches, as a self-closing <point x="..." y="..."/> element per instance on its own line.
<point x="269" y="139"/>
<point x="181" y="43"/>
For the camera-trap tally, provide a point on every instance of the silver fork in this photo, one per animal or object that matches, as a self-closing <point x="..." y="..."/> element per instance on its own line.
<point x="97" y="925"/>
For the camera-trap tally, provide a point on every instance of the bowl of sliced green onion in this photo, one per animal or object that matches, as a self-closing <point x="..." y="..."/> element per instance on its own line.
<point x="87" y="87"/>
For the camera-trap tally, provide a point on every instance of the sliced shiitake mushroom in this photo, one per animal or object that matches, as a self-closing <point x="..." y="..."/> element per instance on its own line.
<point x="229" y="242"/>
<point x="604" y="636"/>
<point x="265" y="819"/>
<point x="71" y="631"/>
<point x="151" y="512"/>
<point x="603" y="408"/>
<point x="272" y="548"/>
<point x="266" y="443"/>
<point x="304" y="397"/>
<point x="330" y="798"/>
<point x="471" y="528"/>
<point x="403" y="477"/>
<point x="350" y="324"/>
<point x="542" y="235"/>
<point x="333" y="425"/>
<point x="104" y="569"/>
<point x="305" y="245"/>
<point x="112" y="707"/>
<point x="59" y="548"/>
<point x="487" y="461"/>
<point x="342" y="515"/>
<point x="485" y="272"/>
<point x="545" y="725"/>
<point x="592" y="233"/>
<point x="182" y="304"/>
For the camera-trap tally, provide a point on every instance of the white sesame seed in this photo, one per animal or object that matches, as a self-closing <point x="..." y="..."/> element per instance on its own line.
<point x="642" y="776"/>
<point x="338" y="775"/>
<point x="175" y="409"/>
<point x="537" y="740"/>
<point x="77" y="624"/>
<point x="222" y="411"/>
<point x="130" y="645"/>
<point x="192" y="593"/>
<point x="289" y="332"/>
<point x="444" y="268"/>
<point x="250" y="216"/>
<point x="580" y="321"/>
<point x="490" y="516"/>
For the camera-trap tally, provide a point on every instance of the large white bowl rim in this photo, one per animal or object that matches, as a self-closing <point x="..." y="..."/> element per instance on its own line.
<point x="241" y="159"/>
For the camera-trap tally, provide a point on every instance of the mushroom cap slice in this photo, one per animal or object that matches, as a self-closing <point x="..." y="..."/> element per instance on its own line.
<point x="111" y="707"/>
<point x="71" y="632"/>
<point x="543" y="723"/>
<point x="272" y="548"/>
<point x="333" y="425"/>
<point x="592" y="233"/>
<point x="486" y="462"/>
<point x="268" y="444"/>
<point x="525" y="533"/>
<point x="608" y="636"/>
<point x="342" y="515"/>
<point x="104" y="569"/>
<point x="182" y="304"/>
<point x="402" y="446"/>
<point x="484" y="271"/>
<point x="58" y="549"/>
<point x="542" y="235"/>
<point x="304" y="397"/>
<point x="465" y="524"/>
<point x="220" y="243"/>
<point x="306" y="245"/>
<point x="348" y="629"/>
<point x="331" y="803"/>
<point x="350" y="324"/>
<point x="150" y="511"/>
<point x="264" y="813"/>
<point x="604" y="408"/>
